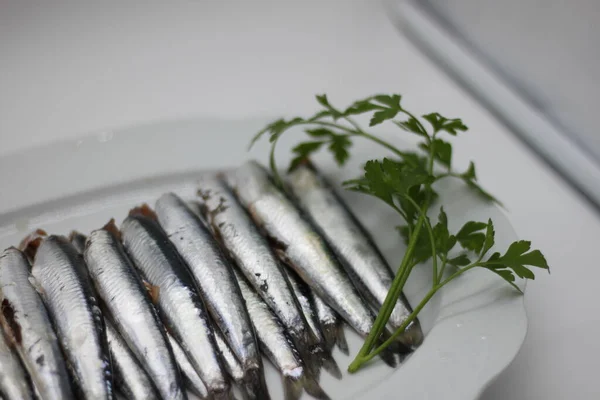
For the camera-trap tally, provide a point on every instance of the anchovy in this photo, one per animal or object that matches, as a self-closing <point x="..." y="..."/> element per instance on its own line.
<point x="78" y="241"/>
<point x="298" y="245"/>
<point x="331" y="324"/>
<point x="353" y="246"/>
<point x="179" y="305"/>
<point x="29" y="329"/>
<point x="277" y="347"/>
<point x="232" y="365"/>
<point x="67" y="291"/>
<point x="190" y="376"/>
<point x="130" y="377"/>
<point x="250" y="251"/>
<point x="128" y="304"/>
<point x="13" y="378"/>
<point x="301" y="291"/>
<point x="217" y="285"/>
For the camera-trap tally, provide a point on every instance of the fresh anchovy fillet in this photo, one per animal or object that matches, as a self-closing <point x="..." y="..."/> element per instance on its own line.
<point x="232" y="365"/>
<point x="331" y="324"/>
<point x="29" y="329"/>
<point x="217" y="284"/>
<point x="60" y="273"/>
<point x="301" y="291"/>
<point x="250" y="251"/>
<point x="278" y="347"/>
<point x="190" y="376"/>
<point x="130" y="377"/>
<point x="14" y="383"/>
<point x="78" y="241"/>
<point x="300" y="246"/>
<point x="128" y="304"/>
<point x="352" y="245"/>
<point x="179" y="305"/>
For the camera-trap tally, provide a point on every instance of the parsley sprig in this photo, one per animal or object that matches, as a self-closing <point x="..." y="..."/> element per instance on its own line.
<point x="404" y="182"/>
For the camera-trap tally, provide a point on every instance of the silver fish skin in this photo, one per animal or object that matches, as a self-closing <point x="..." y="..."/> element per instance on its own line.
<point x="331" y="324"/>
<point x="190" y="376"/>
<point x="13" y="378"/>
<point x="28" y="326"/>
<point x="130" y="377"/>
<point x="302" y="293"/>
<point x="128" y="304"/>
<point x="67" y="291"/>
<point x="78" y="241"/>
<point x="251" y="252"/>
<point x="216" y="282"/>
<point x="352" y="245"/>
<point x="179" y="305"/>
<point x="298" y="244"/>
<point x="232" y="365"/>
<point x="277" y="346"/>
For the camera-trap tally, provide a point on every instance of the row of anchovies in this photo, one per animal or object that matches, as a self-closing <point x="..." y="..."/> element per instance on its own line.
<point x="189" y="295"/>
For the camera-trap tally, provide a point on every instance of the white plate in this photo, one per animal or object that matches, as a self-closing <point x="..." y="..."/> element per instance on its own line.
<point x="474" y="327"/>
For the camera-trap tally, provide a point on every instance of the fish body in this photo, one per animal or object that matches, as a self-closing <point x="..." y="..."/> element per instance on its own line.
<point x="217" y="284"/>
<point x="27" y="324"/>
<point x="128" y="304"/>
<point x="352" y="245"/>
<point x="302" y="293"/>
<point x="232" y="365"/>
<point x="130" y="377"/>
<point x="179" y="305"/>
<point x="277" y="346"/>
<point x="298" y="244"/>
<point x="14" y="383"/>
<point x="251" y="252"/>
<point x="61" y="274"/>
<point x="190" y="376"/>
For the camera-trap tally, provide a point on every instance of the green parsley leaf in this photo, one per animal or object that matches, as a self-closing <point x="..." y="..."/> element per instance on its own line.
<point x="339" y="146"/>
<point x="361" y="107"/>
<point x="470" y="178"/>
<point x="390" y="107"/>
<point x="319" y="132"/>
<point x="322" y="100"/>
<point x="388" y="180"/>
<point x="303" y="151"/>
<point x="470" y="236"/>
<point x="459" y="261"/>
<point x="516" y="261"/>
<point x="442" y="151"/>
<point x="444" y="242"/>
<point x="440" y="123"/>
<point x="488" y="243"/>
<point x="412" y="125"/>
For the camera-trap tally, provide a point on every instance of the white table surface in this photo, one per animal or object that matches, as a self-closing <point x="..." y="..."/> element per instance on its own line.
<point x="78" y="67"/>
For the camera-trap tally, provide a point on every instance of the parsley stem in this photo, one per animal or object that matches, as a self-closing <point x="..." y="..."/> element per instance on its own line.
<point x="359" y="132"/>
<point x="392" y="297"/>
<point x="442" y="268"/>
<point x="431" y="240"/>
<point x="358" y="362"/>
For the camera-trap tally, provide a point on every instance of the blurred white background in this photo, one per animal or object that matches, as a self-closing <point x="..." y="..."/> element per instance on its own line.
<point x="68" y="68"/>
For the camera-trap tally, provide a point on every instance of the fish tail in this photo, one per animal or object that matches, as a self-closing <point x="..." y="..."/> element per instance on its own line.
<point x="340" y="338"/>
<point x="330" y="365"/>
<point x="220" y="395"/>
<point x="312" y="361"/>
<point x="312" y="387"/>
<point x="292" y="387"/>
<point x="255" y="385"/>
<point x="330" y="335"/>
